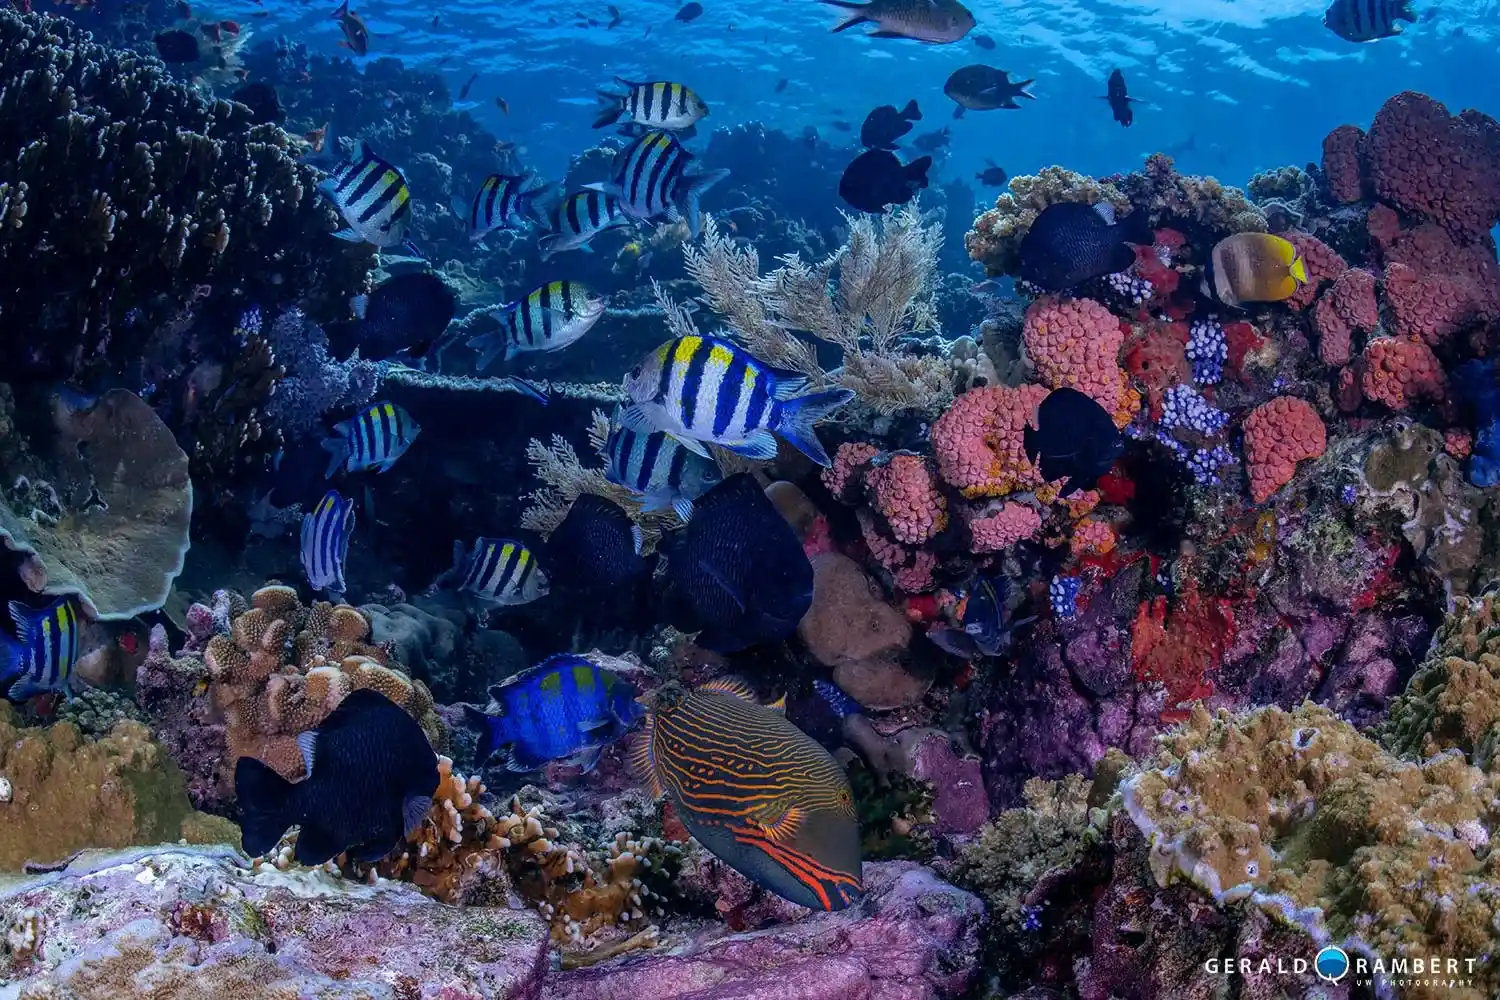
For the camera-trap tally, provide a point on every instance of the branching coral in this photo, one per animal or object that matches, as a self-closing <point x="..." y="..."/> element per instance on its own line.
<point x="283" y="667"/>
<point x="1301" y="815"/>
<point x="100" y="499"/>
<point x="68" y="793"/>
<point x="865" y="299"/>
<point x="565" y="478"/>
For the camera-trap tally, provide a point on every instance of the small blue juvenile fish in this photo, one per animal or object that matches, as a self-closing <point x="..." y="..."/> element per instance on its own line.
<point x="565" y="706"/>
<point x="325" y="542"/>
<point x="42" y="656"/>
<point x="372" y="439"/>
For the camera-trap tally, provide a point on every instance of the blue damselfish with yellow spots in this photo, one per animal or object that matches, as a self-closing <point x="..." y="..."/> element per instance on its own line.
<point x="42" y="656"/>
<point x="565" y="706"/>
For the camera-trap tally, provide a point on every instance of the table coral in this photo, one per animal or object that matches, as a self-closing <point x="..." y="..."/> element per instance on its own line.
<point x="1278" y="435"/>
<point x="283" y="667"/>
<point x="995" y="240"/>
<point x="97" y="493"/>
<point x="106" y="153"/>
<point x="978" y="442"/>
<point x="1343" y="167"/>
<point x="1076" y="343"/>
<point x="1300" y="814"/>
<point x="1347" y="308"/>
<point x="69" y="793"/>
<point x="1399" y="371"/>
<point x="1439" y="167"/>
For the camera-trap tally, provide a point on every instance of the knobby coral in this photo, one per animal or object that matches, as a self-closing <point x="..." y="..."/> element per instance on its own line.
<point x="97" y="494"/>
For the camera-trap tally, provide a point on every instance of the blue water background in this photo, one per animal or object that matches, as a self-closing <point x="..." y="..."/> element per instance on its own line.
<point x="1234" y="86"/>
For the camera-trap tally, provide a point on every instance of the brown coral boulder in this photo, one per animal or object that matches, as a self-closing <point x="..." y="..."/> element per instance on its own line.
<point x="63" y="793"/>
<point x="852" y="630"/>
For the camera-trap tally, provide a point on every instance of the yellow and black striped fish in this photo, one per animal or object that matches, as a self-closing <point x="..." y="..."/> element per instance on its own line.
<point x="580" y="218"/>
<point x="755" y="790"/>
<point x="42" y="656"/>
<point x="372" y="439"/>
<point x="549" y="318"/>
<point x="657" y="104"/>
<point x="500" y="571"/>
<point x="373" y="198"/>
<point x="654" y="177"/>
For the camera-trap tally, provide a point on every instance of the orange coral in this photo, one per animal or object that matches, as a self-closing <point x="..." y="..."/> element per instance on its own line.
<point x="1399" y="371"/>
<point x="1323" y="264"/>
<point x="978" y="443"/>
<point x="1092" y="536"/>
<point x="1179" y="649"/>
<point x="903" y="492"/>
<point x="1076" y="343"/>
<point x="1003" y="527"/>
<point x="1278" y="435"/>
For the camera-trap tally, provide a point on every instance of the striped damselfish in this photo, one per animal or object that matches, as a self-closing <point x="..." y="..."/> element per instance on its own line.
<point x="1367" y="20"/>
<point x="500" y="571"/>
<point x="653" y="179"/>
<point x="657" y="467"/>
<point x="504" y="202"/>
<point x="372" y="439"/>
<point x="755" y="790"/>
<point x="373" y="198"/>
<point x="42" y="656"/>
<point x="580" y="218"/>
<point x="703" y="389"/>
<point x="654" y="105"/>
<point x="548" y="318"/>
<point x="325" y="541"/>
<point x="565" y="706"/>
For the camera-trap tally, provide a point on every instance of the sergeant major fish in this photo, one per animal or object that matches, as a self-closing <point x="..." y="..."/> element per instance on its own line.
<point x="325" y="542"/>
<point x="372" y="439"/>
<point x="580" y="218"/>
<point x="654" y="105"/>
<point x="503" y="202"/>
<point x="549" y="318"/>
<point x="653" y="179"/>
<point x="565" y="706"/>
<point x="659" y="468"/>
<point x="373" y="198"/>
<point x="42" y="656"/>
<point x="755" y="790"/>
<point x="1367" y="20"/>
<point x="701" y="389"/>
<point x="501" y="572"/>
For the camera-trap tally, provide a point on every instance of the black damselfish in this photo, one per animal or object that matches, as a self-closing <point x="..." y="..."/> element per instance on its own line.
<point x="597" y="551"/>
<point x="736" y="574"/>
<point x="885" y="125"/>
<point x="405" y="314"/>
<point x="1074" y="437"/>
<point x="371" y="775"/>
<point x="876" y="179"/>
<point x="1071" y="242"/>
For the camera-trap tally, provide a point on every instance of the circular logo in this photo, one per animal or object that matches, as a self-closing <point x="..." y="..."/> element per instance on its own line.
<point x="1332" y="964"/>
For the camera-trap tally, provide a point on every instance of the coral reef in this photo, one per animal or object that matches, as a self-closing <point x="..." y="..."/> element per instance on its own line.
<point x="98" y="497"/>
<point x="115" y="791"/>
<point x="995" y="240"/>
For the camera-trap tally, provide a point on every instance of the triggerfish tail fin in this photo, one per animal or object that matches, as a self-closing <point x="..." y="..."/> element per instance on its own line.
<point x="800" y="416"/>
<point x="694" y="186"/>
<point x="265" y="799"/>
<point x="490" y="730"/>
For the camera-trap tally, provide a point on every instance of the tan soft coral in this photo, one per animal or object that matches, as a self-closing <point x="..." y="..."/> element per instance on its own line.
<point x="68" y="793"/>
<point x="283" y="667"/>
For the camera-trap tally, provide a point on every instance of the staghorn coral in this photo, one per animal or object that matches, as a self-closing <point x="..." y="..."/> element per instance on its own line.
<point x="865" y="298"/>
<point x="68" y="793"/>
<point x="1278" y="435"/>
<point x="104" y="154"/>
<point x="995" y="240"/>
<point x="283" y="667"/>
<point x="99" y="498"/>
<point x="1301" y="815"/>
<point x="565" y="479"/>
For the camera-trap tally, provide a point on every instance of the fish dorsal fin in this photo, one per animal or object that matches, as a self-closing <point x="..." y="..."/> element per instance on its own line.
<point x="1106" y="211"/>
<point x="365" y="151"/>
<point x="308" y="743"/>
<point x="20" y="616"/>
<point x="640" y="760"/>
<point x="778" y="706"/>
<point x="732" y="686"/>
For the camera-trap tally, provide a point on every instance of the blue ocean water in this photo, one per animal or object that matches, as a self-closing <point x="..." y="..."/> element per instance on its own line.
<point x="1234" y="86"/>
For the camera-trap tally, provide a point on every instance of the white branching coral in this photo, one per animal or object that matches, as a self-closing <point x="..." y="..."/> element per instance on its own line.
<point x="866" y="298"/>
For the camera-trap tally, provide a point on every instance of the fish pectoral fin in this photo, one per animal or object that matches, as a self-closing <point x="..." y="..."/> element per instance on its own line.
<point x="759" y="445"/>
<point x="635" y="418"/>
<point x="414" y="810"/>
<point x="348" y="235"/>
<point x="307" y="743"/>
<point x="694" y="446"/>
<point x="728" y="588"/>
<point x="778" y="822"/>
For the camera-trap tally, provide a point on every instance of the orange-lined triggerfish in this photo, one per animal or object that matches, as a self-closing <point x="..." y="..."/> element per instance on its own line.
<point x="755" y="790"/>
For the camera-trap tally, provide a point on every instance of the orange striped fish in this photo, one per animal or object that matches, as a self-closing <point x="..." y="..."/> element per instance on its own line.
<point x="755" y="790"/>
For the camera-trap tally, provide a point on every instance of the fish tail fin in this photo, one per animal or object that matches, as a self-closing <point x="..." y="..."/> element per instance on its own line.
<point x="12" y="661"/>
<point x="532" y="207"/>
<point x="1022" y="91"/>
<point x="1298" y="270"/>
<point x="800" y="416"/>
<point x="692" y="191"/>
<point x="338" y="449"/>
<point x="490" y="730"/>
<point x="265" y="799"/>
<point x="611" y="106"/>
<point x="341" y="11"/>
<point x="911" y="112"/>
<point x="857" y="19"/>
<point x="916" y="170"/>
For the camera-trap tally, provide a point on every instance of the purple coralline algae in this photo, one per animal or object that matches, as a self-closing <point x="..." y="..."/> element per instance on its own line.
<point x="315" y="383"/>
